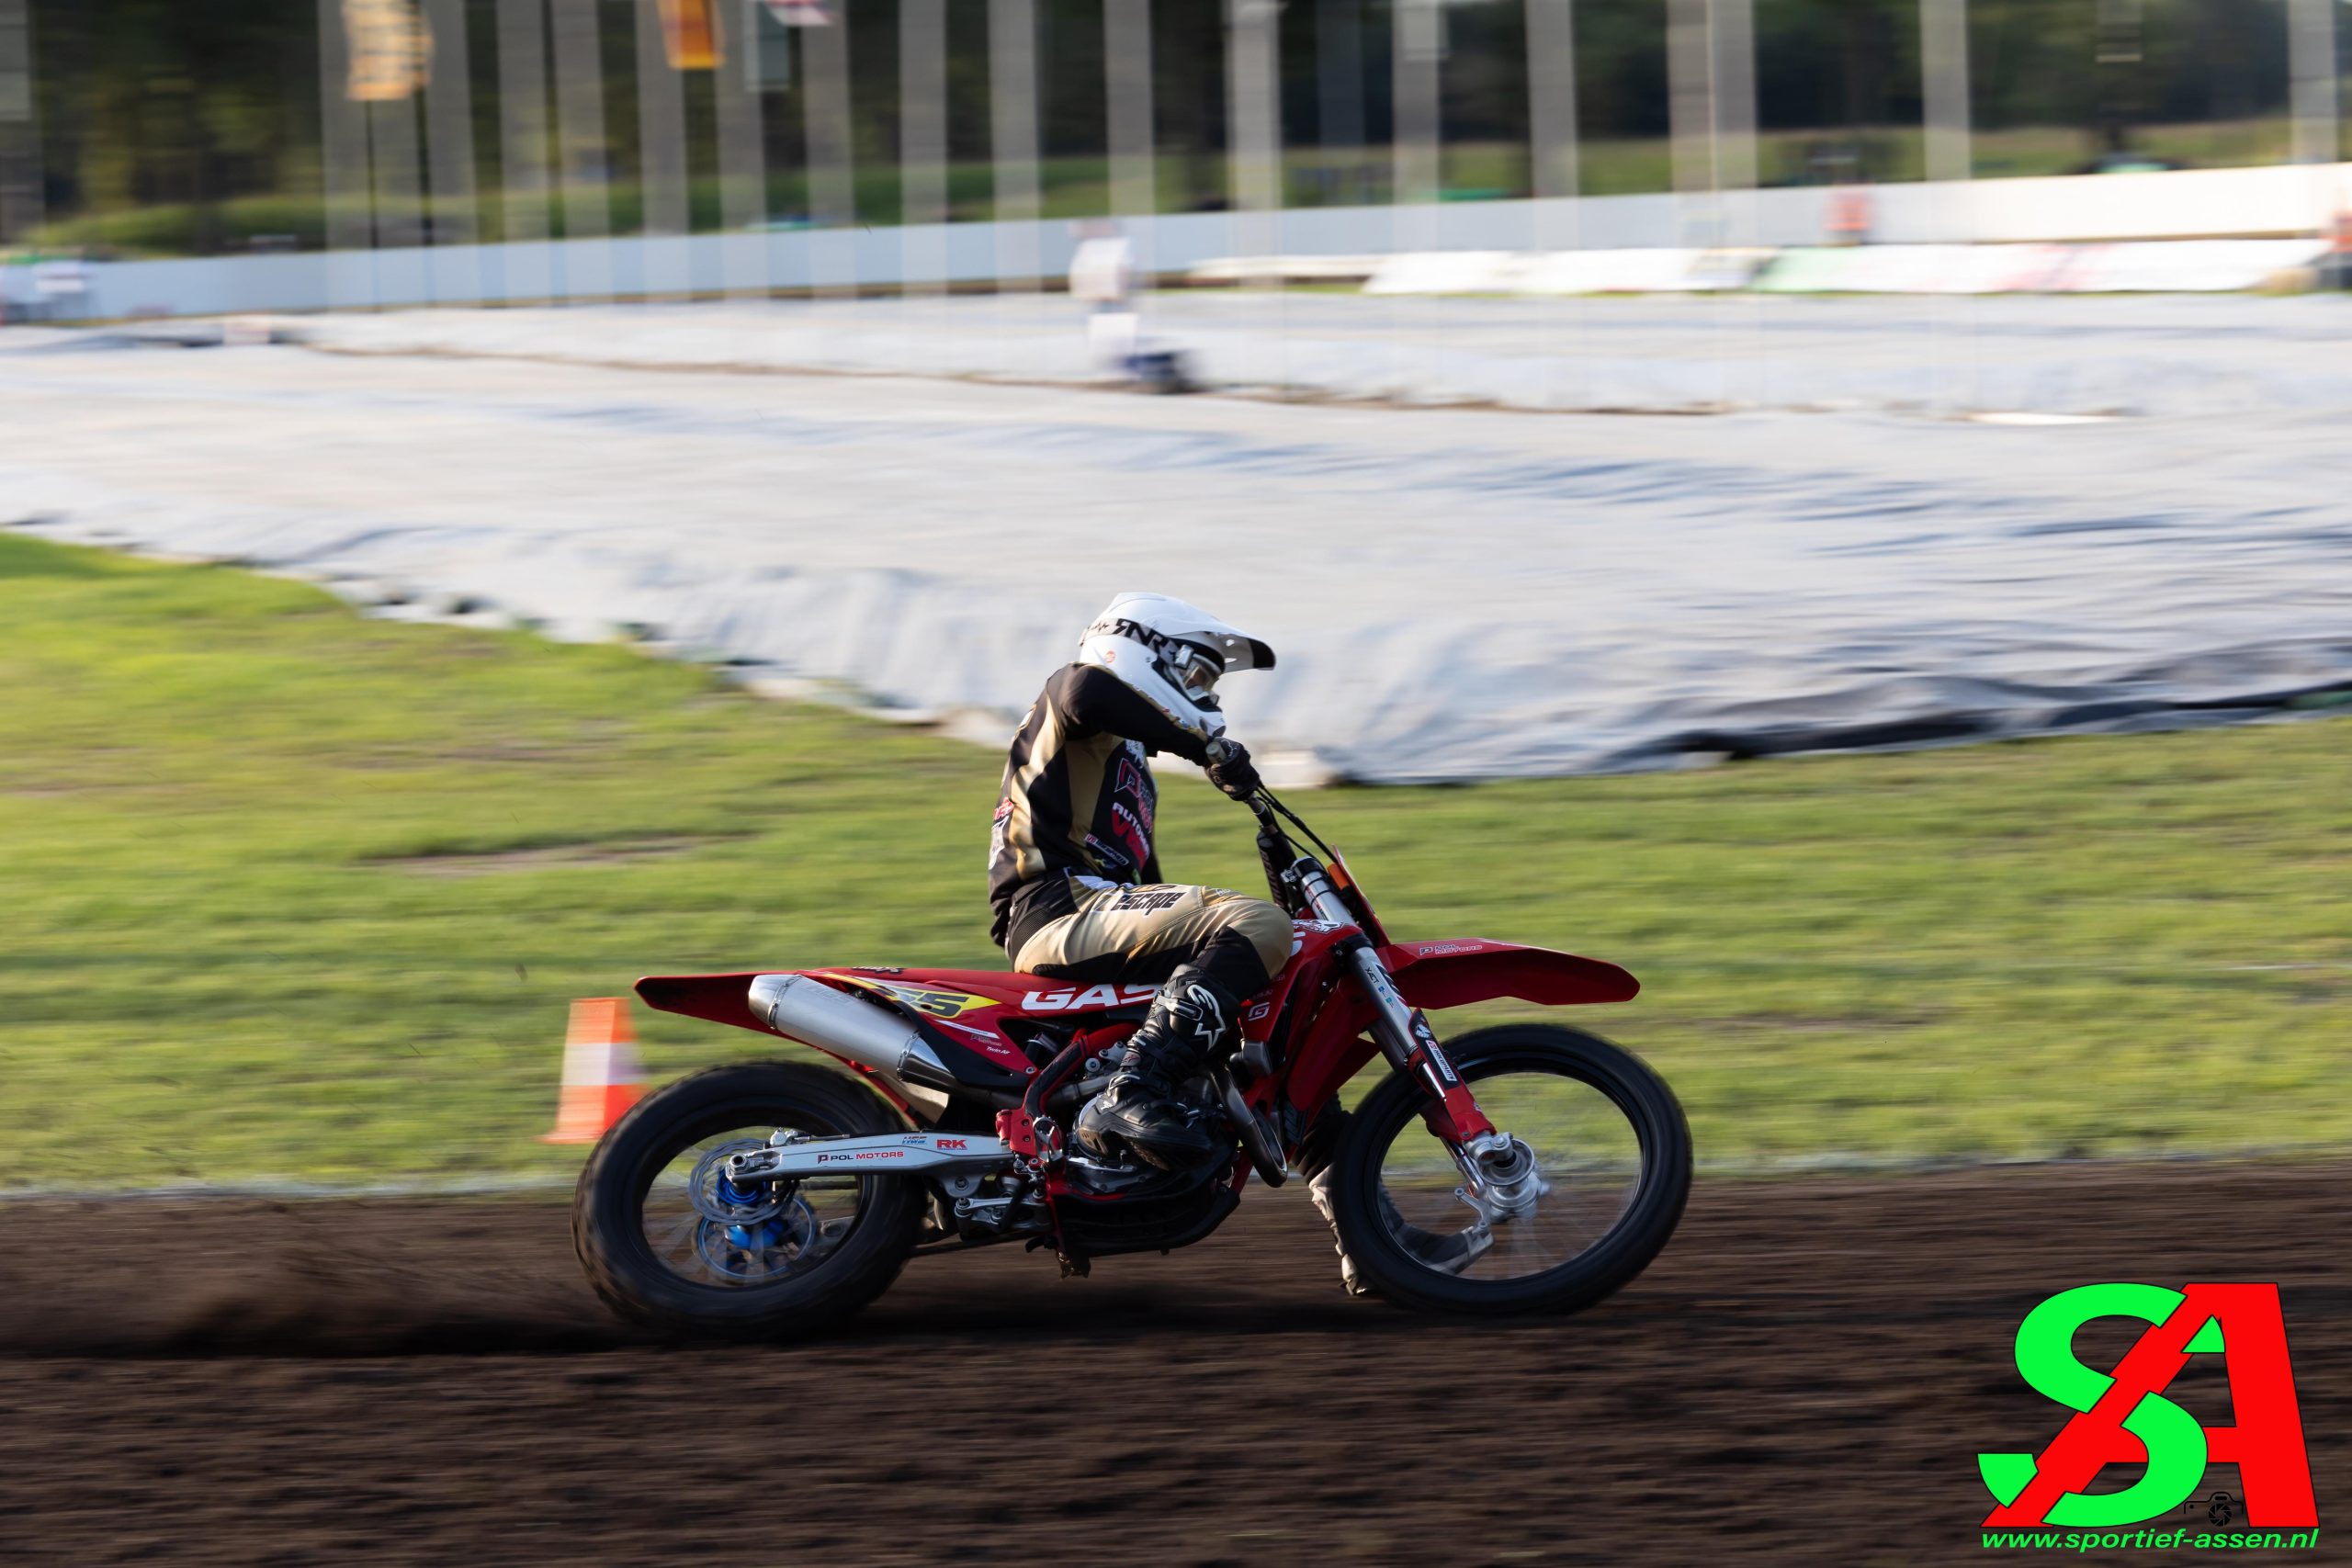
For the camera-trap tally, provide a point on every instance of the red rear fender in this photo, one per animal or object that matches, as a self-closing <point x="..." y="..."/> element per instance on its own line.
<point x="721" y="998"/>
<point x="1433" y="975"/>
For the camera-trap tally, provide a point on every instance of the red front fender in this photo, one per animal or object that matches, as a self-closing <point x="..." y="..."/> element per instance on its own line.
<point x="1434" y="975"/>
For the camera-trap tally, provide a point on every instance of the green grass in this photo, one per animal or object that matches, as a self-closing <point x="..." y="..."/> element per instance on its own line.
<point x="227" y="949"/>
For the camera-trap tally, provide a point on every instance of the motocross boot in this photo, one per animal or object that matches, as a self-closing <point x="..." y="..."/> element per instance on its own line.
<point x="1139" y="1109"/>
<point x="1446" y="1253"/>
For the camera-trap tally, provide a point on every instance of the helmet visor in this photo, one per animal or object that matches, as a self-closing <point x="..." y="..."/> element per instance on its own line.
<point x="1195" y="669"/>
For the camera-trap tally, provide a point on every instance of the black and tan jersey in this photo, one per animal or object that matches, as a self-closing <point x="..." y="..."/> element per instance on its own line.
<point x="1077" y="798"/>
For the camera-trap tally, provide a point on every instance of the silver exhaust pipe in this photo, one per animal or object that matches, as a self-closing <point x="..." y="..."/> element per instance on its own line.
<point x="871" y="1036"/>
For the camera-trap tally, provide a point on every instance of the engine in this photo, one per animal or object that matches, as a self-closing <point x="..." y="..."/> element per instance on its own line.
<point x="990" y="1207"/>
<point x="1110" y="1206"/>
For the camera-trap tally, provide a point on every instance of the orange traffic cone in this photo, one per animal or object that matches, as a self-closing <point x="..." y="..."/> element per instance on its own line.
<point x="602" y="1076"/>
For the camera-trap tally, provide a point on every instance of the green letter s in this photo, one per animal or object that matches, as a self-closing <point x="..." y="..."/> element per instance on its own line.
<point x="2174" y="1441"/>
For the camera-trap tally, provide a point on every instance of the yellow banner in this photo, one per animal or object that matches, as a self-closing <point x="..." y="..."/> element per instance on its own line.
<point x="391" y="49"/>
<point x="689" y="34"/>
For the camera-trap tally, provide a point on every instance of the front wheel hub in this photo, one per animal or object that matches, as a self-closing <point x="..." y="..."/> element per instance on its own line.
<point x="1511" y="1181"/>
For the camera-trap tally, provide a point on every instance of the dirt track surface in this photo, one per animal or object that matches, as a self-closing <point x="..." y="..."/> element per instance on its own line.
<point x="1804" y="1376"/>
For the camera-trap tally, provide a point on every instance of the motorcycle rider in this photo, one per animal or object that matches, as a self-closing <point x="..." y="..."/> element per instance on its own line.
<point x="1075" y="891"/>
<point x="1074" y="874"/>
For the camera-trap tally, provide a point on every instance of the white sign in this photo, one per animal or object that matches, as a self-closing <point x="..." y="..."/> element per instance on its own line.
<point x="800" y="13"/>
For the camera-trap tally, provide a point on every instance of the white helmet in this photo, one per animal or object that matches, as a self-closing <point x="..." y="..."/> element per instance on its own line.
<point x="1172" y="653"/>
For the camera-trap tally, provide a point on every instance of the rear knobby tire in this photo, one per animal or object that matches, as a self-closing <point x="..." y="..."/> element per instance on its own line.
<point x="1636" y="1238"/>
<point x="607" y="1207"/>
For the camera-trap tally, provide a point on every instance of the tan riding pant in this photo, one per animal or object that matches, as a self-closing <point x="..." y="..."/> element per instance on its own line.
<point x="1154" y="921"/>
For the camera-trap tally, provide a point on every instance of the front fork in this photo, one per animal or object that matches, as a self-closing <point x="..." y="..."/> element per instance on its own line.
<point x="1500" y="1169"/>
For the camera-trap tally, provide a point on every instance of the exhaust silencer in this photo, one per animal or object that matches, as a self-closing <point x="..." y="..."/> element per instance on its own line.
<point x="811" y="1010"/>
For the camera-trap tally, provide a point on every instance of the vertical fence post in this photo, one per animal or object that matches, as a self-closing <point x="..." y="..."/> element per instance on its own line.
<point x="1689" y="91"/>
<point x="1731" y="25"/>
<point x="350" y="228"/>
<point x="1418" y="42"/>
<point x="1552" y="155"/>
<point x="1013" y="103"/>
<point x="1127" y="86"/>
<point x="1950" y="165"/>
<point x="1253" y="106"/>
<point x="833" y="189"/>
<point x="2316" y="102"/>
<point x="21" y="204"/>
<point x="1012" y="116"/>
<point x="1551" y="98"/>
<point x="742" y="154"/>
<point x="1711" y="64"/>
<point x="390" y="60"/>
<point x="1732" y="48"/>
<point x="922" y="146"/>
<point x="1339" y="98"/>
<point x="449" y="145"/>
<point x="1943" y="89"/>
<point x="584" y="159"/>
<point x="662" y="156"/>
<point x="523" y="151"/>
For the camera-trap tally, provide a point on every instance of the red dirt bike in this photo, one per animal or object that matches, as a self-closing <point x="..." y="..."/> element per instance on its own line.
<point x="1518" y="1169"/>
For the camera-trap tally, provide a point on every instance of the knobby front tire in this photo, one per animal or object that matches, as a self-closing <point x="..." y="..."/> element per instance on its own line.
<point x="1598" y="1075"/>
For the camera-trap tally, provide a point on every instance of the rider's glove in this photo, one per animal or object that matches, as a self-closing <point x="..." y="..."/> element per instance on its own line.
<point x="1230" y="769"/>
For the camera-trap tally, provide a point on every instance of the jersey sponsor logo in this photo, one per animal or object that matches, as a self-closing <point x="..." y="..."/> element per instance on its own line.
<point x="1135" y="842"/>
<point x="1092" y="997"/>
<point x="1146" y="900"/>
<point x="1110" y="857"/>
<point x="1135" y="784"/>
<point x="1133" y="806"/>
